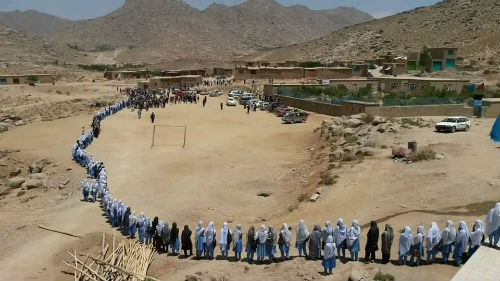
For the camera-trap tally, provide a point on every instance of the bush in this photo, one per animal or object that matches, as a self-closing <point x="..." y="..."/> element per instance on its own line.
<point x="383" y="277"/>
<point x="303" y="197"/>
<point x="326" y="179"/>
<point x="420" y="155"/>
<point x="33" y="79"/>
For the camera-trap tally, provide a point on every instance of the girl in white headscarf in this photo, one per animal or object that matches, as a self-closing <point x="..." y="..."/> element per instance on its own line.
<point x="237" y="242"/>
<point x="493" y="225"/>
<point x="476" y="237"/>
<point x="285" y="241"/>
<point x="329" y="255"/>
<point x="302" y="237"/>
<point x="418" y="246"/>
<point x="225" y="240"/>
<point x="404" y="245"/>
<point x="210" y="235"/>
<point x="461" y="243"/>
<point x="199" y="237"/>
<point x="261" y="238"/>
<point x="141" y="227"/>
<point x="327" y="231"/>
<point x="432" y="241"/>
<point x="448" y="238"/>
<point x="339" y="235"/>
<point x="132" y="225"/>
<point x="352" y="237"/>
<point x="272" y="238"/>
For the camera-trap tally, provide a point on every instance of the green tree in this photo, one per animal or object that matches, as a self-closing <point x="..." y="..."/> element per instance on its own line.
<point x="425" y="59"/>
<point x="33" y="79"/>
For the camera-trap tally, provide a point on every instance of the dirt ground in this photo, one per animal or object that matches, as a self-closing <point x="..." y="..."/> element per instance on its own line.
<point x="228" y="159"/>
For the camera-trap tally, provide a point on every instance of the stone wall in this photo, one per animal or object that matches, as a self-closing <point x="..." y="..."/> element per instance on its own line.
<point x="318" y="107"/>
<point x="420" y="110"/>
<point x="349" y="108"/>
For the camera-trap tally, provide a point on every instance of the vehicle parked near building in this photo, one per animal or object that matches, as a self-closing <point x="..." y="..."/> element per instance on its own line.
<point x="231" y="101"/>
<point x="453" y="124"/>
<point x="263" y="105"/>
<point x="294" y="116"/>
<point x="273" y="105"/>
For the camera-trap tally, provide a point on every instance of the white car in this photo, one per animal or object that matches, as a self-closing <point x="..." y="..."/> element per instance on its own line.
<point x="452" y="124"/>
<point x="231" y="101"/>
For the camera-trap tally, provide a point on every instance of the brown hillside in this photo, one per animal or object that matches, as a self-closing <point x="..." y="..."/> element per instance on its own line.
<point x="159" y="31"/>
<point x="33" y="22"/>
<point x="471" y="25"/>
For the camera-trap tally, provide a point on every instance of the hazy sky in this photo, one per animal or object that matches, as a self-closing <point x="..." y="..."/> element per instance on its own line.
<point x="84" y="9"/>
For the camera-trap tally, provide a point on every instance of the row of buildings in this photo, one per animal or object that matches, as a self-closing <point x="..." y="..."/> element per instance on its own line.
<point x="145" y="74"/>
<point x="410" y="85"/>
<point x="27" y="79"/>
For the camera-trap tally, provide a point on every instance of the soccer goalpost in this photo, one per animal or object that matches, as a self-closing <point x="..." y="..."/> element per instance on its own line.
<point x="168" y="135"/>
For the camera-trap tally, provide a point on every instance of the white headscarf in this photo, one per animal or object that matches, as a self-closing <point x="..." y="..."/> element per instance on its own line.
<point x="237" y="234"/>
<point x="261" y="234"/>
<point x="420" y="236"/>
<point x="493" y="219"/>
<point x="159" y="227"/>
<point x="199" y="230"/>
<point x="449" y="233"/>
<point x="132" y="219"/>
<point x="286" y="234"/>
<point x="353" y="233"/>
<point x="433" y="236"/>
<point x="340" y="231"/>
<point x="328" y="229"/>
<point x="477" y="235"/>
<point x="223" y="234"/>
<point x="405" y="241"/>
<point x="329" y="249"/>
<point x="462" y="236"/>
<point x="210" y="233"/>
<point x="302" y="232"/>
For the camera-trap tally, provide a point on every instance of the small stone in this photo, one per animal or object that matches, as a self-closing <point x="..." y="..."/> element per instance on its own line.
<point x="39" y="176"/>
<point x="34" y="168"/>
<point x="403" y="206"/>
<point x="19" y="123"/>
<point x="192" y="278"/>
<point x="65" y="182"/>
<point x="6" y="191"/>
<point x="69" y="169"/>
<point x="34" y="183"/>
<point x="3" y="163"/>
<point x="314" y="197"/>
<point x="21" y="193"/>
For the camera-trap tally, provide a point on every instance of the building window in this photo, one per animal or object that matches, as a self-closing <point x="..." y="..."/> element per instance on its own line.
<point x="3" y="81"/>
<point x="413" y="87"/>
<point x="15" y="80"/>
<point x="450" y="87"/>
<point x="451" y="52"/>
<point x="394" y="85"/>
<point x="253" y="72"/>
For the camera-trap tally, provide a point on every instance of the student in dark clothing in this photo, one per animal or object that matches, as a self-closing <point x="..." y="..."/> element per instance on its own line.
<point x="187" y="244"/>
<point x="174" y="238"/>
<point x="371" y="242"/>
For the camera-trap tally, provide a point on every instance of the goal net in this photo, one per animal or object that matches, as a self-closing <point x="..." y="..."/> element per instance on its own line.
<point x="168" y="135"/>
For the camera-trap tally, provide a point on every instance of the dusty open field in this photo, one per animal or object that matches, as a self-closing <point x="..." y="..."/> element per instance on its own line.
<point x="230" y="157"/>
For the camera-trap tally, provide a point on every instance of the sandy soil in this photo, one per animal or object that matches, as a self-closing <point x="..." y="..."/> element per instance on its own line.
<point x="230" y="157"/>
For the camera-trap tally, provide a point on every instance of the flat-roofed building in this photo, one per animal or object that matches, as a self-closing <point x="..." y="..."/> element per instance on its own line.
<point x="12" y="79"/>
<point x="416" y="85"/>
<point x="176" y="81"/>
<point x="267" y="73"/>
<point x="127" y="74"/>
<point x="327" y="72"/>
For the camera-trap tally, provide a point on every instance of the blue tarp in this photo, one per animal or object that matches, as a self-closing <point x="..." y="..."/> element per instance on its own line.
<point x="495" y="130"/>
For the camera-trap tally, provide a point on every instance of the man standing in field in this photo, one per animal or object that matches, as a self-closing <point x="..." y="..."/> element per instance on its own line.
<point x="152" y="117"/>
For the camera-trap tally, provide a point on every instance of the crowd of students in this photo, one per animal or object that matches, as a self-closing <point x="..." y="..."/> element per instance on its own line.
<point x="321" y="243"/>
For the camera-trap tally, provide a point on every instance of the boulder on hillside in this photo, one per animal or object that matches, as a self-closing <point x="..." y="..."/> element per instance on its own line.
<point x="363" y="130"/>
<point x="352" y="123"/>
<point x="378" y="119"/>
<point x="382" y="127"/>
<point x="15" y="182"/>
<point x="39" y="176"/>
<point x="34" y="183"/>
<point x="336" y="130"/>
<point x="5" y="191"/>
<point x="34" y="168"/>
<point x="336" y="155"/>
<point x="15" y="172"/>
<point x="368" y="151"/>
<point x="359" y="116"/>
<point x="349" y="132"/>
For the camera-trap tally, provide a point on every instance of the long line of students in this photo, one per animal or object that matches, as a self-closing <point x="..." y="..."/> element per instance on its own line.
<point x="321" y="243"/>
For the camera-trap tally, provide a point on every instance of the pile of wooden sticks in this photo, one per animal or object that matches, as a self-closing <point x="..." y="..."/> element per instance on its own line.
<point x="129" y="260"/>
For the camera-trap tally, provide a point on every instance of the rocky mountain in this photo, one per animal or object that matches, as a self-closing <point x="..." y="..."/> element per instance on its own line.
<point x="33" y="22"/>
<point x="471" y="25"/>
<point x="154" y="31"/>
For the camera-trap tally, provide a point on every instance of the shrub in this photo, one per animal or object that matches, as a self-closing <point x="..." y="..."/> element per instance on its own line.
<point x="423" y="154"/>
<point x="383" y="277"/>
<point x="326" y="179"/>
<point x="351" y="139"/>
<point x="33" y="79"/>
<point x="303" y="197"/>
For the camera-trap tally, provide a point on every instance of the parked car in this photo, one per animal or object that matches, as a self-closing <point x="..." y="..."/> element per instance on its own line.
<point x="231" y="101"/>
<point x="245" y="98"/>
<point x="294" y="117"/>
<point x="264" y="105"/>
<point x="273" y="105"/>
<point x="452" y="124"/>
<point x="280" y="111"/>
<point x="217" y="93"/>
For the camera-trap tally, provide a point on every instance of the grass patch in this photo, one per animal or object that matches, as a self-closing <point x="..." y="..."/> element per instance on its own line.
<point x="383" y="277"/>
<point x="371" y="144"/>
<point x="303" y="197"/>
<point x="351" y="139"/>
<point x="423" y="154"/>
<point x="326" y="179"/>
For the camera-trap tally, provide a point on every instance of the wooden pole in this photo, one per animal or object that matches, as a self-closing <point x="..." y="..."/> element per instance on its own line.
<point x="58" y="231"/>
<point x="123" y="270"/>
